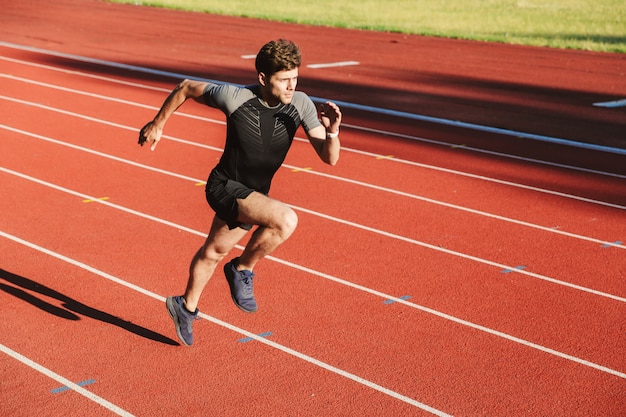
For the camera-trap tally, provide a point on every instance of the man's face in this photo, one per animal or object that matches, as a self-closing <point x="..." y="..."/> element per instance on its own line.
<point x="279" y="88"/>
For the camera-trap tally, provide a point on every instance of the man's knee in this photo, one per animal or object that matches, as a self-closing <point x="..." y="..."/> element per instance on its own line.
<point x="208" y="255"/>
<point x="212" y="253"/>
<point x="260" y="210"/>
<point x="288" y="222"/>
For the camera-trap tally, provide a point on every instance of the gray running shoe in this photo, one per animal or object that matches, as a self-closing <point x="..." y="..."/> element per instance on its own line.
<point x="183" y="319"/>
<point x="241" y="286"/>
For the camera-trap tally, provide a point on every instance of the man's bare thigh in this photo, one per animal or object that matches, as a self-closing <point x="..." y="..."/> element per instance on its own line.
<point x="262" y="210"/>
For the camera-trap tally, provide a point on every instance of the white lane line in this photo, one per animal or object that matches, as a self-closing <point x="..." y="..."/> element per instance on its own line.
<point x="336" y="220"/>
<point x="86" y="75"/>
<point x="611" y="104"/>
<point x="101" y="97"/>
<point x="477" y="150"/>
<point x="315" y="66"/>
<point x="132" y="68"/>
<point x="113" y="124"/>
<point x="103" y="155"/>
<point x="412" y="116"/>
<point x="333" y="64"/>
<point x="457" y="320"/>
<point x="64" y="381"/>
<point x="312" y="172"/>
<point x="613" y="244"/>
<point x="229" y="326"/>
<point x="339" y="280"/>
<point x="461" y="255"/>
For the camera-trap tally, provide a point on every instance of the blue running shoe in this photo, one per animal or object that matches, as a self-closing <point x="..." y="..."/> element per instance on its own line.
<point x="241" y="287"/>
<point x="183" y="319"/>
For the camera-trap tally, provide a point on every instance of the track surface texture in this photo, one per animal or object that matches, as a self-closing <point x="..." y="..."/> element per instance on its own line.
<point x="466" y="256"/>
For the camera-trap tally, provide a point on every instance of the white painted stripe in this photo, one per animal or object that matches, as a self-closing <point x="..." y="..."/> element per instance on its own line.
<point x="98" y="96"/>
<point x="251" y="56"/>
<point x="64" y="381"/>
<point x="436" y="120"/>
<point x="229" y="326"/>
<point x="102" y="62"/>
<point x="459" y="321"/>
<point x="611" y="104"/>
<point x="477" y="150"/>
<point x="108" y="123"/>
<point x="85" y="74"/>
<point x="101" y="154"/>
<point x="333" y="64"/>
<point x="461" y="208"/>
<point x="461" y="255"/>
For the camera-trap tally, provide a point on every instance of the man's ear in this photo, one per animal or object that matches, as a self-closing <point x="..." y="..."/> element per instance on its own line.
<point x="262" y="79"/>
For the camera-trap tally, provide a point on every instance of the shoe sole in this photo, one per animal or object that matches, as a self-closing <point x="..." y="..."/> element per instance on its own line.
<point x="245" y="310"/>
<point x="172" y="312"/>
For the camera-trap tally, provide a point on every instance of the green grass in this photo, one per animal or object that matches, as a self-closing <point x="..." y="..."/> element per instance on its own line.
<point x="598" y="25"/>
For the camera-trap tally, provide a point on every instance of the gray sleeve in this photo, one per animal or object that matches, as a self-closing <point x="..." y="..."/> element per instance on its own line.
<point x="307" y="110"/>
<point x="226" y="97"/>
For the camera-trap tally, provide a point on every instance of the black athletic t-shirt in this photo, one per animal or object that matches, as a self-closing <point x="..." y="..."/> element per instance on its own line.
<point x="257" y="136"/>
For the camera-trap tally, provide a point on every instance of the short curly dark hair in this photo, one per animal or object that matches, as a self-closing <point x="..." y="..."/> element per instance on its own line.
<point x="280" y="55"/>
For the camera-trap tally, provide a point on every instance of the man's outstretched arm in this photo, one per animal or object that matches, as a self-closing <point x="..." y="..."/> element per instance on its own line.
<point x="152" y="131"/>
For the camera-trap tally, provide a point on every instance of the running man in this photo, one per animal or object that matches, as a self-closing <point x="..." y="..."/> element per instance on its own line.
<point x="262" y="120"/>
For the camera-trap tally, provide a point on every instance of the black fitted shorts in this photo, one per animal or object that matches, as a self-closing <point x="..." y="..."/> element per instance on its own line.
<point x="222" y="195"/>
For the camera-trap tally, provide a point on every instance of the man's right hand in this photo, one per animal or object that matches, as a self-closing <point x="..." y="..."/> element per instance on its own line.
<point x="150" y="133"/>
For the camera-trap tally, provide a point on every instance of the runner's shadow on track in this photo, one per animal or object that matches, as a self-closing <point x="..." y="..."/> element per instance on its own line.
<point x="72" y="309"/>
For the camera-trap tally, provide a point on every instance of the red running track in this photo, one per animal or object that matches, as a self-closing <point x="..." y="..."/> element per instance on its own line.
<point x="424" y="278"/>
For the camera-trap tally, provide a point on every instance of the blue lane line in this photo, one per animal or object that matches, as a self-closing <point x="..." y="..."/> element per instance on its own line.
<point x="378" y="110"/>
<point x="616" y="243"/>
<point x="249" y="339"/>
<point x="390" y="301"/>
<point x="80" y="384"/>
<point x="507" y="271"/>
<point x="611" y="104"/>
<point x="481" y="128"/>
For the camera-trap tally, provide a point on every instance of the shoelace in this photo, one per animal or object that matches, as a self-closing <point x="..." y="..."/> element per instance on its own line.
<point x="247" y="285"/>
